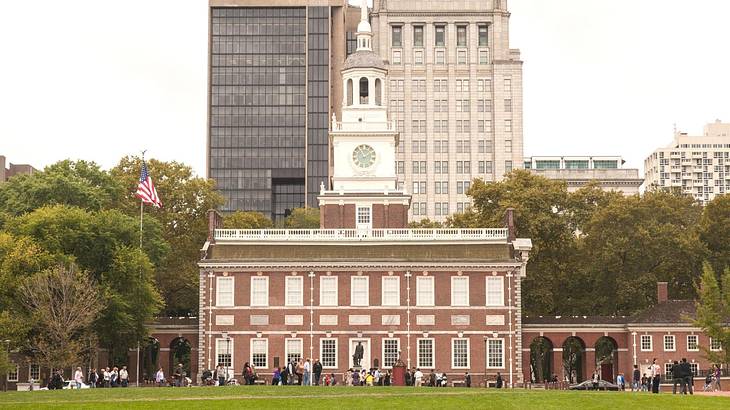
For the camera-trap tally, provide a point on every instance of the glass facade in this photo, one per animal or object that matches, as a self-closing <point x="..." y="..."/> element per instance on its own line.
<point x="268" y="113"/>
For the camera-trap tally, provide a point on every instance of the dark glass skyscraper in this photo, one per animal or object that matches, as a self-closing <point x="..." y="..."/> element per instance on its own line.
<point x="270" y="101"/>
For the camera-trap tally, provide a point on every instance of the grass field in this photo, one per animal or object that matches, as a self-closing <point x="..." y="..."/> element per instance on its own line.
<point x="350" y="398"/>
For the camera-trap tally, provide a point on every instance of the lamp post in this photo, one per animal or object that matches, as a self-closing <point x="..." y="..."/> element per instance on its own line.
<point x="408" y="316"/>
<point x="311" y="316"/>
<point x="7" y="351"/>
<point x="228" y="353"/>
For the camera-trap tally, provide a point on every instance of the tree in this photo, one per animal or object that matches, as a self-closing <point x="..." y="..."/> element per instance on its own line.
<point x="303" y="218"/>
<point x="63" y="304"/>
<point x="425" y="223"/>
<point x="75" y="183"/>
<point x="247" y="220"/>
<point x="184" y="225"/>
<point x="715" y="232"/>
<point x="713" y="312"/>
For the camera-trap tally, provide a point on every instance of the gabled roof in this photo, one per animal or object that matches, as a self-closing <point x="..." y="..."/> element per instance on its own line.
<point x="669" y="312"/>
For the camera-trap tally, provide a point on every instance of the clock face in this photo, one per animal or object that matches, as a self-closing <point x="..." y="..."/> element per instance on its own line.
<point x="364" y="156"/>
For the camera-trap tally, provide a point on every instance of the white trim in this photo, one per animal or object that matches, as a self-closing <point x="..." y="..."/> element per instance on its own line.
<point x="641" y="343"/>
<point x="266" y="341"/>
<point x="674" y="343"/>
<point x="321" y="352"/>
<point x="218" y="281"/>
<point x="382" y="291"/>
<point x="288" y="287"/>
<point x="455" y="279"/>
<point x="715" y="350"/>
<point x="255" y="279"/>
<point x="286" y="348"/>
<point x="468" y="352"/>
<point x="231" y="350"/>
<point x="30" y="371"/>
<point x="367" y="290"/>
<point x="323" y="279"/>
<point x="697" y="343"/>
<point x="367" y="357"/>
<point x="382" y="350"/>
<point x="433" y="353"/>
<point x="339" y="235"/>
<point x="503" y="354"/>
<point x="419" y="285"/>
<point x="499" y="279"/>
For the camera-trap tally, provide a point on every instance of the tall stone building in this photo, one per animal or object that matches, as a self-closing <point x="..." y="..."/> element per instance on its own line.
<point x="455" y="92"/>
<point x="578" y="171"/>
<point x="694" y="165"/>
<point x="13" y="169"/>
<point x="270" y="96"/>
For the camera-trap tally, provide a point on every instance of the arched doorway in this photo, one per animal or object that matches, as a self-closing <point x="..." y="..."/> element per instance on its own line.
<point x="541" y="359"/>
<point x="150" y="359"/>
<point x="573" y="358"/>
<point x="606" y="357"/>
<point x="180" y="353"/>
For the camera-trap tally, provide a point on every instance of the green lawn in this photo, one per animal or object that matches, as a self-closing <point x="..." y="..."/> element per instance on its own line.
<point x="291" y="397"/>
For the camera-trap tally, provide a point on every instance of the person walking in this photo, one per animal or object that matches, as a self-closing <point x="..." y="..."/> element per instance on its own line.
<point x="78" y="377"/>
<point x="467" y="379"/>
<point x="317" y="370"/>
<point x="276" y="378"/>
<point x="655" y="376"/>
<point x="124" y="376"/>
<point x="178" y="375"/>
<point x="418" y="377"/>
<point x="291" y="369"/>
<point x="687" y="377"/>
<point x="636" y="379"/>
<point x="300" y="371"/>
<point x="160" y="377"/>
<point x="717" y="378"/>
<point x="308" y="372"/>
<point x="676" y="378"/>
<point x="107" y="377"/>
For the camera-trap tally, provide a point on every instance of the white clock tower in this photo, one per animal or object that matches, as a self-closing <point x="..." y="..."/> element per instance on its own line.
<point x="364" y="141"/>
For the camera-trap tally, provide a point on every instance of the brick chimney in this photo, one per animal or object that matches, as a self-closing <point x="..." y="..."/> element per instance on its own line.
<point x="662" y="292"/>
<point x="509" y="223"/>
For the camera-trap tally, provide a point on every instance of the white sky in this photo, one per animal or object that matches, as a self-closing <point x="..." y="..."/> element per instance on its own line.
<point x="98" y="80"/>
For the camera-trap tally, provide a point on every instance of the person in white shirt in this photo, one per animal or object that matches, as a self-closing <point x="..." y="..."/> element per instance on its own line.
<point x="78" y="377"/>
<point x="419" y="377"/>
<point x="124" y="376"/>
<point x="655" y="376"/>
<point x="107" y="377"/>
<point x="307" y="373"/>
<point x="160" y="377"/>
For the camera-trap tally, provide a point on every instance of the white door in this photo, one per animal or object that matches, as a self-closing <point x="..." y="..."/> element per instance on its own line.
<point x="364" y="220"/>
<point x="365" y="362"/>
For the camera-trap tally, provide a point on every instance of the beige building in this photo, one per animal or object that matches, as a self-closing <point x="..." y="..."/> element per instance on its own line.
<point x="13" y="169"/>
<point x="578" y="171"/>
<point x="694" y="165"/>
<point x="455" y="93"/>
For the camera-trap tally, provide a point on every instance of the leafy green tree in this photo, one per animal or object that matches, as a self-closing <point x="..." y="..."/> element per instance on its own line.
<point x="303" y="218"/>
<point x="186" y="199"/>
<point x="76" y="183"/>
<point x="715" y="232"/>
<point x="247" y="220"/>
<point x="425" y="223"/>
<point x="713" y="312"/>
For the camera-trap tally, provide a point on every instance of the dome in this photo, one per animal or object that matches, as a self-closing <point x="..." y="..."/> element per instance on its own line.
<point x="364" y="59"/>
<point x="364" y="27"/>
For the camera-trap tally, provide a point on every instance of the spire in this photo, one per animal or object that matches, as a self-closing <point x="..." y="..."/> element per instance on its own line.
<point x="364" y="31"/>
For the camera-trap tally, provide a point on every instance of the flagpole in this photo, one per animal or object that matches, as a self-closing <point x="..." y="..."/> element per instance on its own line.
<point x="141" y="219"/>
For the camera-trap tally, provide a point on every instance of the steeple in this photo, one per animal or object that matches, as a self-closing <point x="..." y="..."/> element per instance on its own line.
<point x="364" y="31"/>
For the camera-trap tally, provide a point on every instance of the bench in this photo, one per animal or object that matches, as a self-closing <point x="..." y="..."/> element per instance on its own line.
<point x="458" y="383"/>
<point x="261" y="382"/>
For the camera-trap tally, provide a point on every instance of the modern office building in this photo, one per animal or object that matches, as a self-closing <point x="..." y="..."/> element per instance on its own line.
<point x="694" y="165"/>
<point x="270" y="97"/>
<point x="13" y="169"/>
<point x="455" y="91"/>
<point x="579" y="171"/>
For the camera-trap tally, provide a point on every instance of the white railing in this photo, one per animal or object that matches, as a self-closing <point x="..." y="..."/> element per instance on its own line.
<point x="275" y="235"/>
<point x="363" y="126"/>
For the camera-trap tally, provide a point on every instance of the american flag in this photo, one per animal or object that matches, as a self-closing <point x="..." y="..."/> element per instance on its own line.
<point x="146" y="189"/>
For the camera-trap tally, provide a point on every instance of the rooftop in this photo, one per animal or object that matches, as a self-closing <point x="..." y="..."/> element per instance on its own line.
<point x="493" y="235"/>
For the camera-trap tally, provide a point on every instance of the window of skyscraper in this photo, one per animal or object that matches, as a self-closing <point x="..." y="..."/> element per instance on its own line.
<point x="397" y="37"/>
<point x="483" y="38"/>
<point x="440" y="35"/>
<point x="461" y="36"/>
<point x="417" y="36"/>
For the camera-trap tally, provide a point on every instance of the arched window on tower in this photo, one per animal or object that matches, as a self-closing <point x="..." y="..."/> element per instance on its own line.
<point x="349" y="91"/>
<point x="364" y="91"/>
<point x="378" y="92"/>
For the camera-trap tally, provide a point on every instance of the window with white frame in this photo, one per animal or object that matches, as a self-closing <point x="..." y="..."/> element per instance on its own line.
<point x="293" y="349"/>
<point x="425" y="351"/>
<point x="224" y="353"/>
<point x="460" y="291"/>
<point x="695" y="367"/>
<point x="396" y="57"/>
<point x="359" y="292"/>
<point x="645" y="343"/>
<point x="669" y="343"/>
<point x="224" y="291"/>
<point x="363" y="215"/>
<point x="34" y="371"/>
<point x="328" y="353"/>
<point x="328" y="290"/>
<point x="459" y="353"/>
<point x="668" y="369"/>
<point x="693" y="344"/>
<point x="495" y="353"/>
<point x="715" y="345"/>
<point x="391" y="347"/>
<point x="12" y="375"/>
<point x="259" y="291"/>
<point x="424" y="291"/>
<point x="294" y="291"/>
<point x="391" y="291"/>
<point x="495" y="291"/>
<point x="259" y="352"/>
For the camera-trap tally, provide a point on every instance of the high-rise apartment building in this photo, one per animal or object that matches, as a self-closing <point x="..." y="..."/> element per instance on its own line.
<point x="455" y="92"/>
<point x="694" y="165"/>
<point x="271" y="93"/>
<point x="578" y="171"/>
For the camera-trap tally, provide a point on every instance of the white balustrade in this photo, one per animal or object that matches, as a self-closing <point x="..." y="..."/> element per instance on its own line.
<point x="293" y="235"/>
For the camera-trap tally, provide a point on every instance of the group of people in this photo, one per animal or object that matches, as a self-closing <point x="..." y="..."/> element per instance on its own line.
<point x="680" y="374"/>
<point x="105" y="377"/>
<point x="372" y="377"/>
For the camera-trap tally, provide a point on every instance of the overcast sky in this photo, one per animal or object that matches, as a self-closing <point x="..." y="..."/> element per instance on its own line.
<point x="98" y="79"/>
